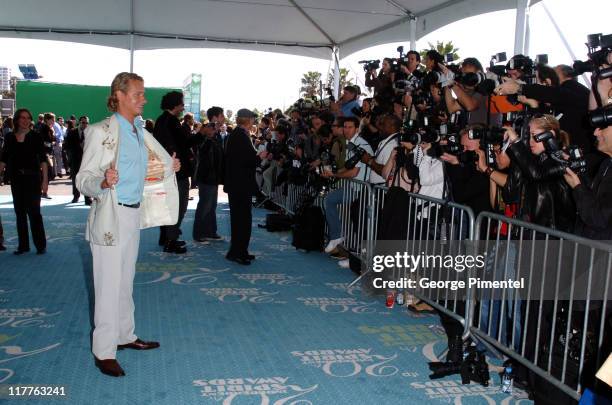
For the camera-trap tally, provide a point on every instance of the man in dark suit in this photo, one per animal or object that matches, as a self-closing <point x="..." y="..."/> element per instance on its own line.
<point x="171" y="135"/>
<point x="241" y="159"/>
<point x="73" y="145"/>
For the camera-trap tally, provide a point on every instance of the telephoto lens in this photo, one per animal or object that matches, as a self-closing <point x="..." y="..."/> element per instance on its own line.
<point x="601" y="117"/>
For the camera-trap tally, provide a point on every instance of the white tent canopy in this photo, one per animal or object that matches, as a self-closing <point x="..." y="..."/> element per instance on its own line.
<point x="301" y="27"/>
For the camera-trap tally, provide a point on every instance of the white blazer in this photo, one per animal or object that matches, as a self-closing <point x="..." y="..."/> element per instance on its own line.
<point x="159" y="204"/>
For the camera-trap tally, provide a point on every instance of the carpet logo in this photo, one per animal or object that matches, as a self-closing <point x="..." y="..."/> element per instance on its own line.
<point x="339" y="305"/>
<point x="455" y="391"/>
<point x="199" y="276"/>
<point x="353" y="291"/>
<point x="269" y="279"/>
<point x="252" y="295"/>
<point x="227" y="390"/>
<point x="404" y="336"/>
<point x="348" y="362"/>
<point x="26" y="317"/>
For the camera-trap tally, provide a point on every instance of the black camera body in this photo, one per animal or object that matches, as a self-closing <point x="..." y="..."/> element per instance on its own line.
<point x="357" y="152"/>
<point x="473" y="367"/>
<point x="575" y="162"/>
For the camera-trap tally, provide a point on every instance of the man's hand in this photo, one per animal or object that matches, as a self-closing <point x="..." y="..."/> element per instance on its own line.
<point x="111" y="177"/>
<point x="176" y="164"/>
<point x="509" y="86"/>
<point x="327" y="174"/>
<point x="365" y="158"/>
<point x="263" y="154"/>
<point x="529" y="101"/>
<point x="481" y="164"/>
<point x="452" y="159"/>
<point x="571" y="178"/>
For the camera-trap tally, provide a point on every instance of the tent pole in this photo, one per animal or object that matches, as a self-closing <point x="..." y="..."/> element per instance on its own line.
<point x="131" y="53"/>
<point x="131" y="36"/>
<point x="519" y="30"/>
<point x="336" y="56"/>
<point x="564" y="40"/>
<point x="413" y="28"/>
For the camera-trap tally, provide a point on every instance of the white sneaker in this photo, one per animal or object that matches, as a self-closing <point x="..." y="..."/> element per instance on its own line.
<point x="345" y="264"/>
<point x="332" y="244"/>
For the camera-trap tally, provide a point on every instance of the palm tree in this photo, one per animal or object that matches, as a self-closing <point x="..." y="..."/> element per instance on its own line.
<point x="344" y="80"/>
<point x="311" y="83"/>
<point x="443" y="49"/>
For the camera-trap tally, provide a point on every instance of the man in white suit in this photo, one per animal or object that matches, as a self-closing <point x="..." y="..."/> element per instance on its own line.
<point x="131" y="179"/>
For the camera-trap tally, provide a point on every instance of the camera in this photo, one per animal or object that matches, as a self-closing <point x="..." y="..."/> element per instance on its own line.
<point x="575" y="161"/>
<point x="601" y="117"/>
<point x="493" y="135"/>
<point x="599" y="47"/>
<point x="473" y="367"/>
<point x="357" y="154"/>
<point x="370" y="64"/>
<point x="471" y="79"/>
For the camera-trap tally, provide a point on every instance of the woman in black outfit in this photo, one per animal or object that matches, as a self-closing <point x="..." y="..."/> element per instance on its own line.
<point x="26" y="163"/>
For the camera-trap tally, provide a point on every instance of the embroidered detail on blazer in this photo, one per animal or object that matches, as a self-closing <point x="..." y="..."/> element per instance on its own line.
<point x="109" y="239"/>
<point x="109" y="143"/>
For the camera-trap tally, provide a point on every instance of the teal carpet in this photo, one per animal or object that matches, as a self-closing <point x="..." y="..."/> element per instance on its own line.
<point x="282" y="331"/>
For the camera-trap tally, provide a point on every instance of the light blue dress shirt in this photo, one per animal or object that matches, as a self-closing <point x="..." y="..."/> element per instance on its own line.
<point x="132" y="162"/>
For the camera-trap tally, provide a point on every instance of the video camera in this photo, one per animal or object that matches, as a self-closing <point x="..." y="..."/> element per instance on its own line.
<point x="370" y="64"/>
<point x="599" y="47"/>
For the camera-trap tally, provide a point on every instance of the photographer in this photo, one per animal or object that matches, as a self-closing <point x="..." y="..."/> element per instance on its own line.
<point x="278" y="153"/>
<point x="367" y="128"/>
<point x="299" y="129"/>
<point x="464" y="87"/>
<point x="390" y="127"/>
<point x="338" y="147"/>
<point x="467" y="185"/>
<point x="545" y="76"/>
<point x="381" y="82"/>
<point x="570" y="98"/>
<point x="546" y="199"/>
<point x="347" y="102"/>
<point x="355" y="144"/>
<point x="592" y="199"/>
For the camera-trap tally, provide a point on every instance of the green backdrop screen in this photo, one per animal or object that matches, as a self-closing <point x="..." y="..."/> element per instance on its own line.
<point x="66" y="99"/>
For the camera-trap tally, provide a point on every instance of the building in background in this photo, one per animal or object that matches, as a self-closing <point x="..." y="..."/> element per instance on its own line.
<point x="5" y="79"/>
<point x="192" y="90"/>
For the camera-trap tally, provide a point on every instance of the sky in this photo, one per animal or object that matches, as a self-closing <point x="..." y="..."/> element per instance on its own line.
<point x="234" y="79"/>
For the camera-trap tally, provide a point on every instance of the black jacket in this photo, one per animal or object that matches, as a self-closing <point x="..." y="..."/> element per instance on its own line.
<point x="73" y="145"/>
<point x="211" y="164"/>
<point x="26" y="159"/>
<point x="572" y="100"/>
<point x="594" y="203"/>
<point x="171" y="135"/>
<point x="469" y="187"/>
<point x="240" y="163"/>
<point x="545" y="198"/>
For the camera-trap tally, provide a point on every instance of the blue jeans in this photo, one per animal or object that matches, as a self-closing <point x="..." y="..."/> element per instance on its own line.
<point x="332" y="215"/>
<point x="205" y="221"/>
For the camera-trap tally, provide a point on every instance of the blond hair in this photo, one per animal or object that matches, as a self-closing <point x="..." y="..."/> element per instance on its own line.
<point x="549" y="123"/>
<point x="121" y="82"/>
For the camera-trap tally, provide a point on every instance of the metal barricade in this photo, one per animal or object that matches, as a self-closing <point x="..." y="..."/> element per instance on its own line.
<point x="555" y="324"/>
<point x="434" y="228"/>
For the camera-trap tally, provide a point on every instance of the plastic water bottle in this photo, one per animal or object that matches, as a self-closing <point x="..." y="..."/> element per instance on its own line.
<point x="506" y="380"/>
<point x="399" y="297"/>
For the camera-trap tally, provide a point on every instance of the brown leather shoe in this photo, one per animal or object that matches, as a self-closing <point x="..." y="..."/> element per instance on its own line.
<point x="139" y="345"/>
<point x="109" y="367"/>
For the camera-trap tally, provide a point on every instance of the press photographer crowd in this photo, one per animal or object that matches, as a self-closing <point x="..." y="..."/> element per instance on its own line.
<point x="518" y="138"/>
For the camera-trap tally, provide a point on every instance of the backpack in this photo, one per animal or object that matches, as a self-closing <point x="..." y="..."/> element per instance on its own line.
<point x="309" y="229"/>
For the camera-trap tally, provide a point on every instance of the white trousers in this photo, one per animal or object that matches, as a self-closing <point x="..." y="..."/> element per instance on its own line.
<point x="113" y="273"/>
